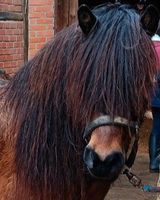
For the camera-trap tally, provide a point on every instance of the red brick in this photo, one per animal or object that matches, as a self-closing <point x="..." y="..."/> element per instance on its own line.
<point x="2" y="31"/>
<point x="10" y="44"/>
<point x="18" y="57"/>
<point x="1" y="38"/>
<point x="32" y="46"/>
<point x="37" y="27"/>
<point x="7" y="64"/>
<point x="20" y="25"/>
<point x="6" y="51"/>
<point x="9" y="57"/>
<point x="50" y="15"/>
<point x="39" y="46"/>
<point x="1" y="25"/>
<point x="43" y="8"/>
<point x="9" y="6"/>
<point x="19" y="38"/>
<point x="17" y="2"/>
<point x="15" y="32"/>
<point x="49" y="26"/>
<point x="37" y="15"/>
<point x="19" y="51"/>
<point x="17" y="8"/>
<point x="33" y="21"/>
<point x="44" y="33"/>
<point x="3" y="45"/>
<point x="44" y="21"/>
<point x="37" y="40"/>
<point x="12" y="25"/>
<point x="12" y="38"/>
<point x="32" y="34"/>
<point x="2" y="57"/>
<point x="40" y="2"/>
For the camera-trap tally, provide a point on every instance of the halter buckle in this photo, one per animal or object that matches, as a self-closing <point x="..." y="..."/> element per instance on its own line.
<point x="133" y="179"/>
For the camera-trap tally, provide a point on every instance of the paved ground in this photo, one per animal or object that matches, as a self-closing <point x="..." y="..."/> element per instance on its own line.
<point x="122" y="189"/>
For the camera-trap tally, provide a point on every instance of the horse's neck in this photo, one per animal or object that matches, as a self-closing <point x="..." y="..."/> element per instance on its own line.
<point x="97" y="190"/>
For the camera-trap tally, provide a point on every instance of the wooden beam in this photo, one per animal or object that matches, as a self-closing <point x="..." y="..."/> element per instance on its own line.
<point x="65" y="13"/>
<point x="61" y="14"/>
<point x="11" y="16"/>
<point x="25" y="28"/>
<point x="73" y="7"/>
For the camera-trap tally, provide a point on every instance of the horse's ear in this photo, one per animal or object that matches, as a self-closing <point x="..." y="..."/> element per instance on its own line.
<point x="150" y="20"/>
<point x="87" y="20"/>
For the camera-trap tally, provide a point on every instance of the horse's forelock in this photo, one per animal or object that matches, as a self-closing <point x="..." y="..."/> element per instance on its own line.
<point x="107" y="73"/>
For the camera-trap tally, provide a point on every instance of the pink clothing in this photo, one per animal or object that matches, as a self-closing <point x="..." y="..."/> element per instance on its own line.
<point x="157" y="47"/>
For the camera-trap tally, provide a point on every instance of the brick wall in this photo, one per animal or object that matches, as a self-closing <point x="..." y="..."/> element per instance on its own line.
<point x="11" y="5"/>
<point x="11" y="38"/>
<point x="41" y="22"/>
<point x="11" y="46"/>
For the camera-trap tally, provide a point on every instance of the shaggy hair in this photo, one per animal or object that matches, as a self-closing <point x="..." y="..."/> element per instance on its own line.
<point x="55" y="94"/>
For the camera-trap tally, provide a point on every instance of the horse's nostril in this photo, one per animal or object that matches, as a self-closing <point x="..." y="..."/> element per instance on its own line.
<point x="91" y="158"/>
<point x="109" y="169"/>
<point x="114" y="161"/>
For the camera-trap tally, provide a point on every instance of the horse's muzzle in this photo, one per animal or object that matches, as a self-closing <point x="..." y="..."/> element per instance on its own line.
<point x="108" y="169"/>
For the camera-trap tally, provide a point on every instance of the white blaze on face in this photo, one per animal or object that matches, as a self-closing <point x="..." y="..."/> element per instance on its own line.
<point x="105" y="140"/>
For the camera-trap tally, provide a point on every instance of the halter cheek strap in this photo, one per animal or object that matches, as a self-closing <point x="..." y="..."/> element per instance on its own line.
<point x="106" y="120"/>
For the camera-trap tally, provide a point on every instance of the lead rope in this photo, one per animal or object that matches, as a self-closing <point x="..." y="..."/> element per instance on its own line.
<point x="137" y="182"/>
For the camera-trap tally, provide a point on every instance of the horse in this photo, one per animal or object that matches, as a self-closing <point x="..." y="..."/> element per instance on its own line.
<point x="68" y="117"/>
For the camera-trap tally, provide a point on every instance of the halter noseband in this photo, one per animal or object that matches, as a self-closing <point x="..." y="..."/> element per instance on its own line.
<point x="106" y="120"/>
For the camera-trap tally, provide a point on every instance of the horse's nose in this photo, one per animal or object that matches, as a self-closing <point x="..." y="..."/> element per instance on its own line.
<point x="109" y="168"/>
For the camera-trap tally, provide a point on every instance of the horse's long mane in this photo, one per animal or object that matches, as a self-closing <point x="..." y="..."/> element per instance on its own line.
<point x="57" y="92"/>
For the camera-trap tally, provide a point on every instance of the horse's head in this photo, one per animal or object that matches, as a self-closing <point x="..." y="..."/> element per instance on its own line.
<point x="108" y="140"/>
<point x="110" y="137"/>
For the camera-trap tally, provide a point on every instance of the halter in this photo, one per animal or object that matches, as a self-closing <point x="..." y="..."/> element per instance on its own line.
<point x="106" y="120"/>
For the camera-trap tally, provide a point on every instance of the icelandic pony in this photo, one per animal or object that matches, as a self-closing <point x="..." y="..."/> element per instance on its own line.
<point x="104" y="66"/>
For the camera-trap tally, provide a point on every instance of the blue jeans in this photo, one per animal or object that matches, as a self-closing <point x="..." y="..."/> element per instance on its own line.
<point x="154" y="141"/>
<point x="156" y="121"/>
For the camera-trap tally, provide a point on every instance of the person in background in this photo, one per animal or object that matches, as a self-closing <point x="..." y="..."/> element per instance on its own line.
<point x="154" y="140"/>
